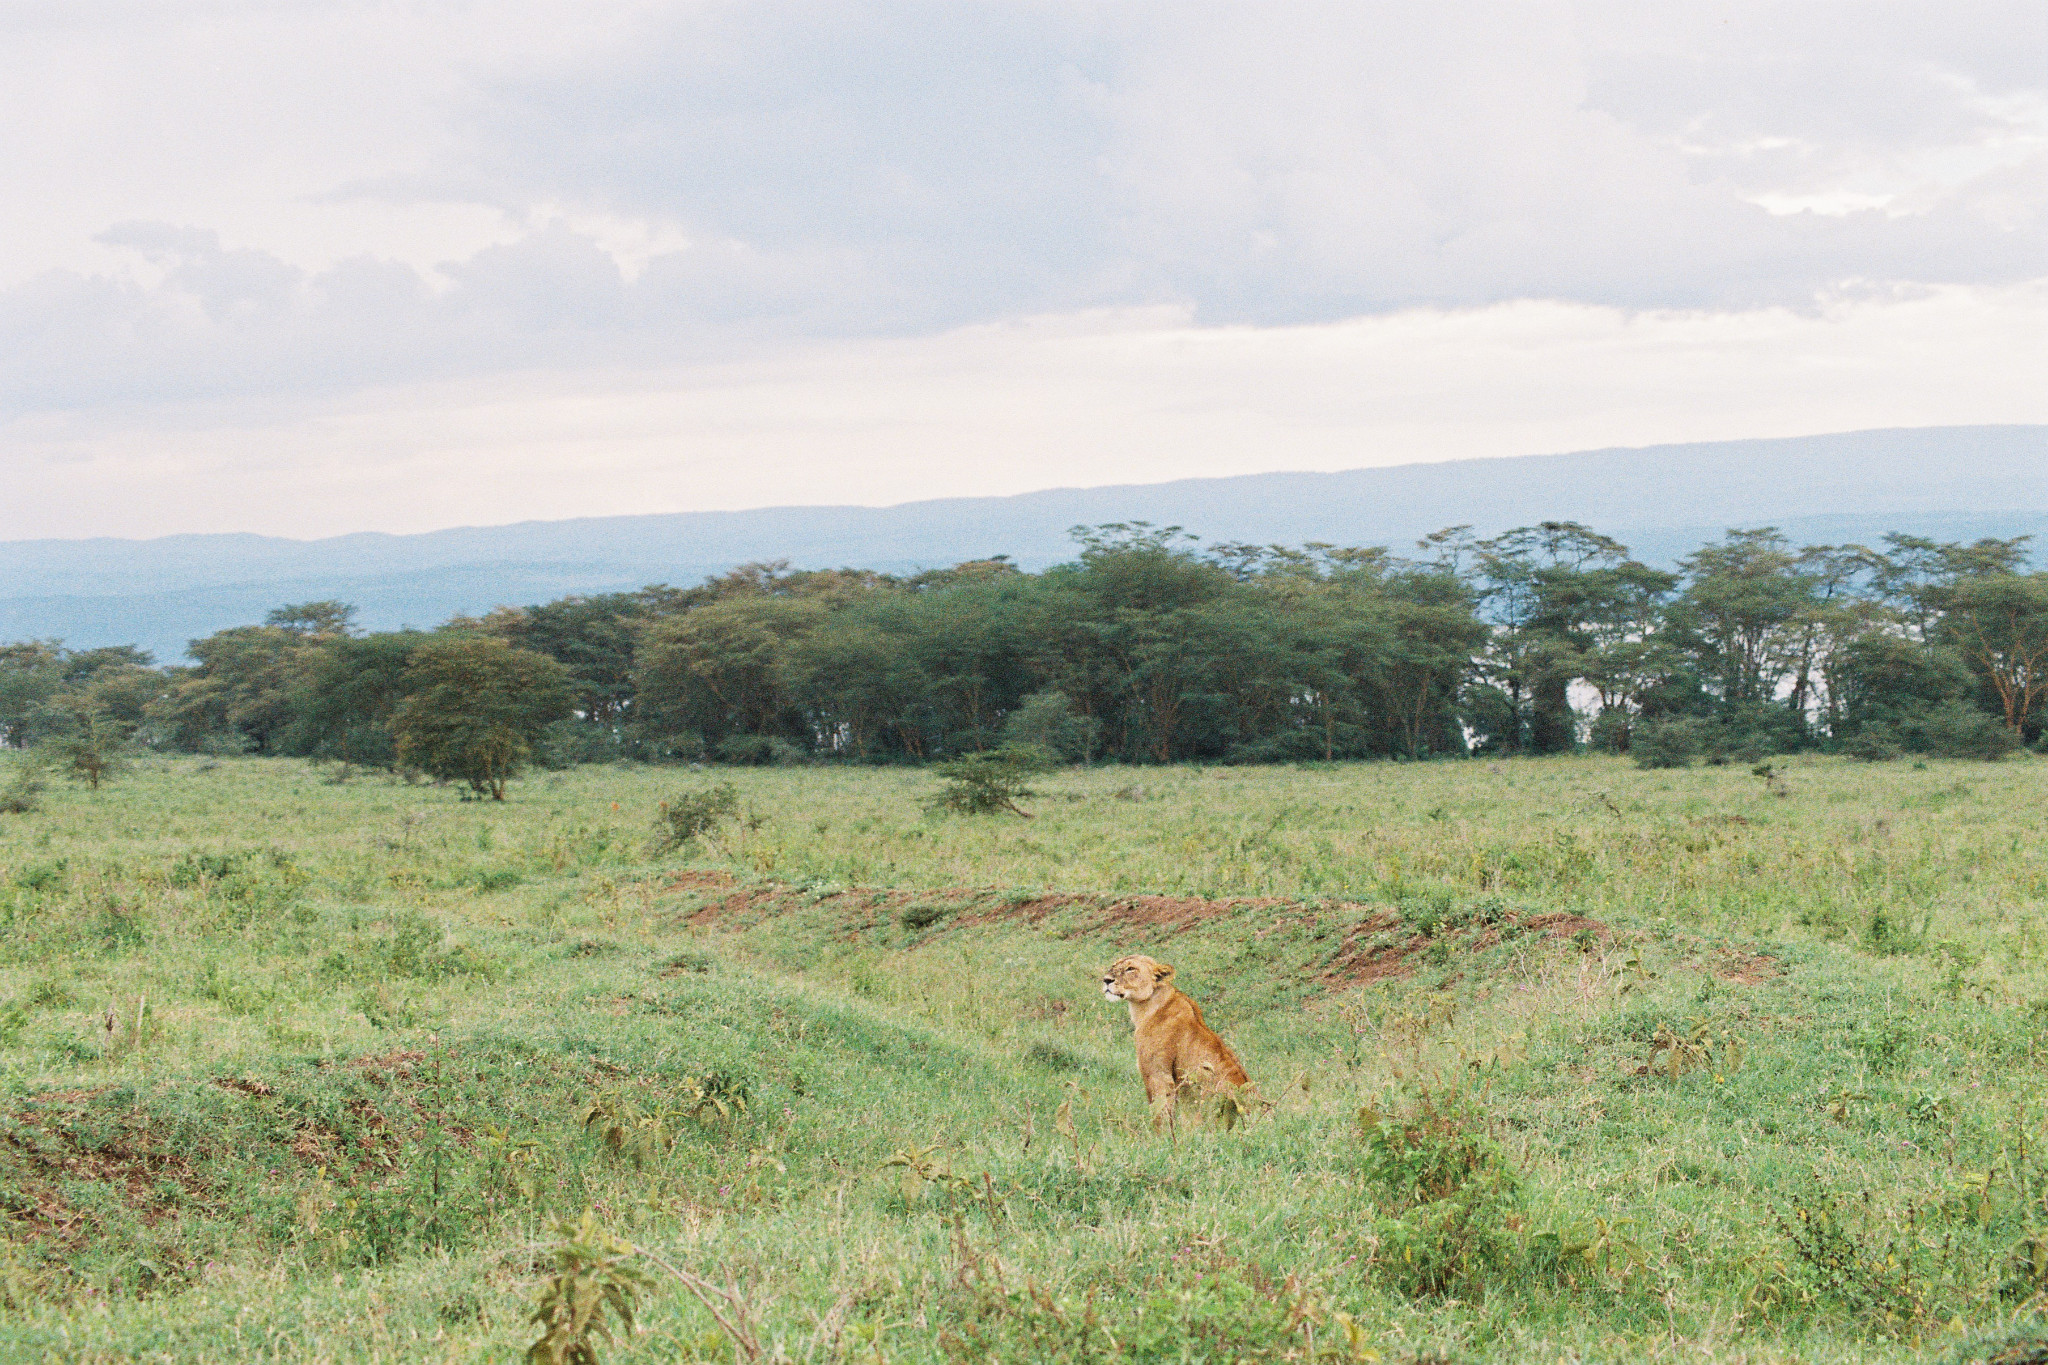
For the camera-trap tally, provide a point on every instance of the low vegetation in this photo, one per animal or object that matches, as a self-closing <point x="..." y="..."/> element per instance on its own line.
<point x="1556" y="1059"/>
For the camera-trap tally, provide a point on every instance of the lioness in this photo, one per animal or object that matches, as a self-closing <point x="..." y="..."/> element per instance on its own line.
<point x="1175" y="1048"/>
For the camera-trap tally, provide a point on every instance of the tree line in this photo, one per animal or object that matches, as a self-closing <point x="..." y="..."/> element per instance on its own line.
<point x="1147" y="648"/>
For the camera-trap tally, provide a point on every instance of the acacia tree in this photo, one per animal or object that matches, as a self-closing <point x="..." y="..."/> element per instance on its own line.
<point x="1554" y="593"/>
<point x="324" y="620"/>
<point x="1915" y="575"/>
<point x="87" y="744"/>
<point x="1746" y="604"/>
<point x="1140" y="587"/>
<point x="722" y="669"/>
<point x="349" y="693"/>
<point x="1434" y="635"/>
<point x="593" y="637"/>
<point x="474" y="709"/>
<point x="31" y="671"/>
<point x="244" y="685"/>
<point x="1999" y="622"/>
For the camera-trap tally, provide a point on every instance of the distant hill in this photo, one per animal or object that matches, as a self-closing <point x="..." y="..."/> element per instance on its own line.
<point x="1955" y="483"/>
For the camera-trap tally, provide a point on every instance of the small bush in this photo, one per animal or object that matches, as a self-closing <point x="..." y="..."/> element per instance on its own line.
<point x="1755" y="730"/>
<point x="24" y="793"/>
<point x="1957" y="729"/>
<point x="1874" y="744"/>
<point x="691" y="815"/>
<point x="1884" y="1045"/>
<point x="984" y="783"/>
<point x="416" y="949"/>
<point x="1429" y="912"/>
<point x="1669" y="743"/>
<point x="194" y="868"/>
<point x="1890" y="936"/>
<point x="1846" y="1252"/>
<point x="573" y="741"/>
<point x="1613" y="731"/>
<point x="1449" y="1196"/>
<point x="43" y="877"/>
<point x="88" y="745"/>
<point x="757" y="751"/>
<point x="923" y="915"/>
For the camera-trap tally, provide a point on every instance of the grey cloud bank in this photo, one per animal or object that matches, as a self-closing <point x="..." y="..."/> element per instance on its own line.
<point x="248" y="203"/>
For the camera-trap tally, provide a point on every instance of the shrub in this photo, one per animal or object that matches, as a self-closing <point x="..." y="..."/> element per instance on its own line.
<point x="227" y="744"/>
<point x="89" y="746"/>
<point x="984" y="783"/>
<point x="1874" y="744"/>
<point x="757" y="751"/>
<point x="690" y="815"/>
<point x="1052" y="1057"/>
<point x="194" y="868"/>
<point x="1752" y="730"/>
<point x="573" y="741"/>
<point x="24" y="793"/>
<point x="924" y="915"/>
<point x="1669" y="743"/>
<point x="416" y="949"/>
<point x="1613" y="731"/>
<point x="1849" y="1253"/>
<point x="42" y="877"/>
<point x="594" y="1280"/>
<point x="1450" y="1198"/>
<point x="1956" y="729"/>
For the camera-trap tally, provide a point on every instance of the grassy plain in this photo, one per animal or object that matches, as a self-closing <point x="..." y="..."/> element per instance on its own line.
<point x="1657" y="1065"/>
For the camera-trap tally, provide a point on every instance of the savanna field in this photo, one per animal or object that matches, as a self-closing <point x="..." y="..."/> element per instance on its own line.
<point x="1557" y="1060"/>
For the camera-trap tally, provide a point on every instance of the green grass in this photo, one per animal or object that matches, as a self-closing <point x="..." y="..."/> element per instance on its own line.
<point x="1661" y="1064"/>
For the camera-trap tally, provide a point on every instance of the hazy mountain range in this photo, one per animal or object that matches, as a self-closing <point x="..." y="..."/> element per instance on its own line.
<point x="1954" y="483"/>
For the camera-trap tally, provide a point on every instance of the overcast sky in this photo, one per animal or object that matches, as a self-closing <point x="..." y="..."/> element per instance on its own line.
<point x="306" y="268"/>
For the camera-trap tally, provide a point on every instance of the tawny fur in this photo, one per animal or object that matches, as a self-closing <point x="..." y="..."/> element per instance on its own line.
<point x="1176" y="1050"/>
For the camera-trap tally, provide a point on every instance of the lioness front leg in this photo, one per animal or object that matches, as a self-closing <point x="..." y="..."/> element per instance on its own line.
<point x="1161" y="1090"/>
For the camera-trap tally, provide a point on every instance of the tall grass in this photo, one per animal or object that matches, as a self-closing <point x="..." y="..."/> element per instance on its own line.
<point x="1648" y="1064"/>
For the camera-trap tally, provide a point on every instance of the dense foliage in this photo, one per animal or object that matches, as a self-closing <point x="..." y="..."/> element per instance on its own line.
<point x="1147" y="648"/>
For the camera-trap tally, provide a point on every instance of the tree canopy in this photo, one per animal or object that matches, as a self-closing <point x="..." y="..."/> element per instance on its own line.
<point x="1148" y="647"/>
<point x="474" y="708"/>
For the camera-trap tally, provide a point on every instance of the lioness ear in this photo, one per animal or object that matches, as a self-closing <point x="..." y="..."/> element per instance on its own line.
<point x="1161" y="971"/>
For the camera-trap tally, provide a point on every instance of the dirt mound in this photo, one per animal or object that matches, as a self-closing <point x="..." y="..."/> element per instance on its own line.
<point x="1560" y="924"/>
<point x="46" y="1153"/>
<point x="1373" y="951"/>
<point x="1747" y="969"/>
<point x="869" y="906"/>
<point x="139" y="1186"/>
<point x="1375" y="946"/>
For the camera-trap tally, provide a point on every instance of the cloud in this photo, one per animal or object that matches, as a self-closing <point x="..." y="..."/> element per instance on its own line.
<point x="1072" y="399"/>
<point x="1306" y="160"/>
<point x="297" y="205"/>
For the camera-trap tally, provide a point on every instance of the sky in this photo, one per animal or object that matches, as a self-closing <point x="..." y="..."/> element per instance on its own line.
<point x="310" y="268"/>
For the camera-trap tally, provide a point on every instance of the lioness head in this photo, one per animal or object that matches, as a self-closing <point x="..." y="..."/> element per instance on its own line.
<point x="1134" y="978"/>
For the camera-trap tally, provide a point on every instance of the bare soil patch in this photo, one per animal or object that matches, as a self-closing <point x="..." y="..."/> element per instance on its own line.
<point x="1373" y="948"/>
<point x="1747" y="969"/>
<point x="136" y="1165"/>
